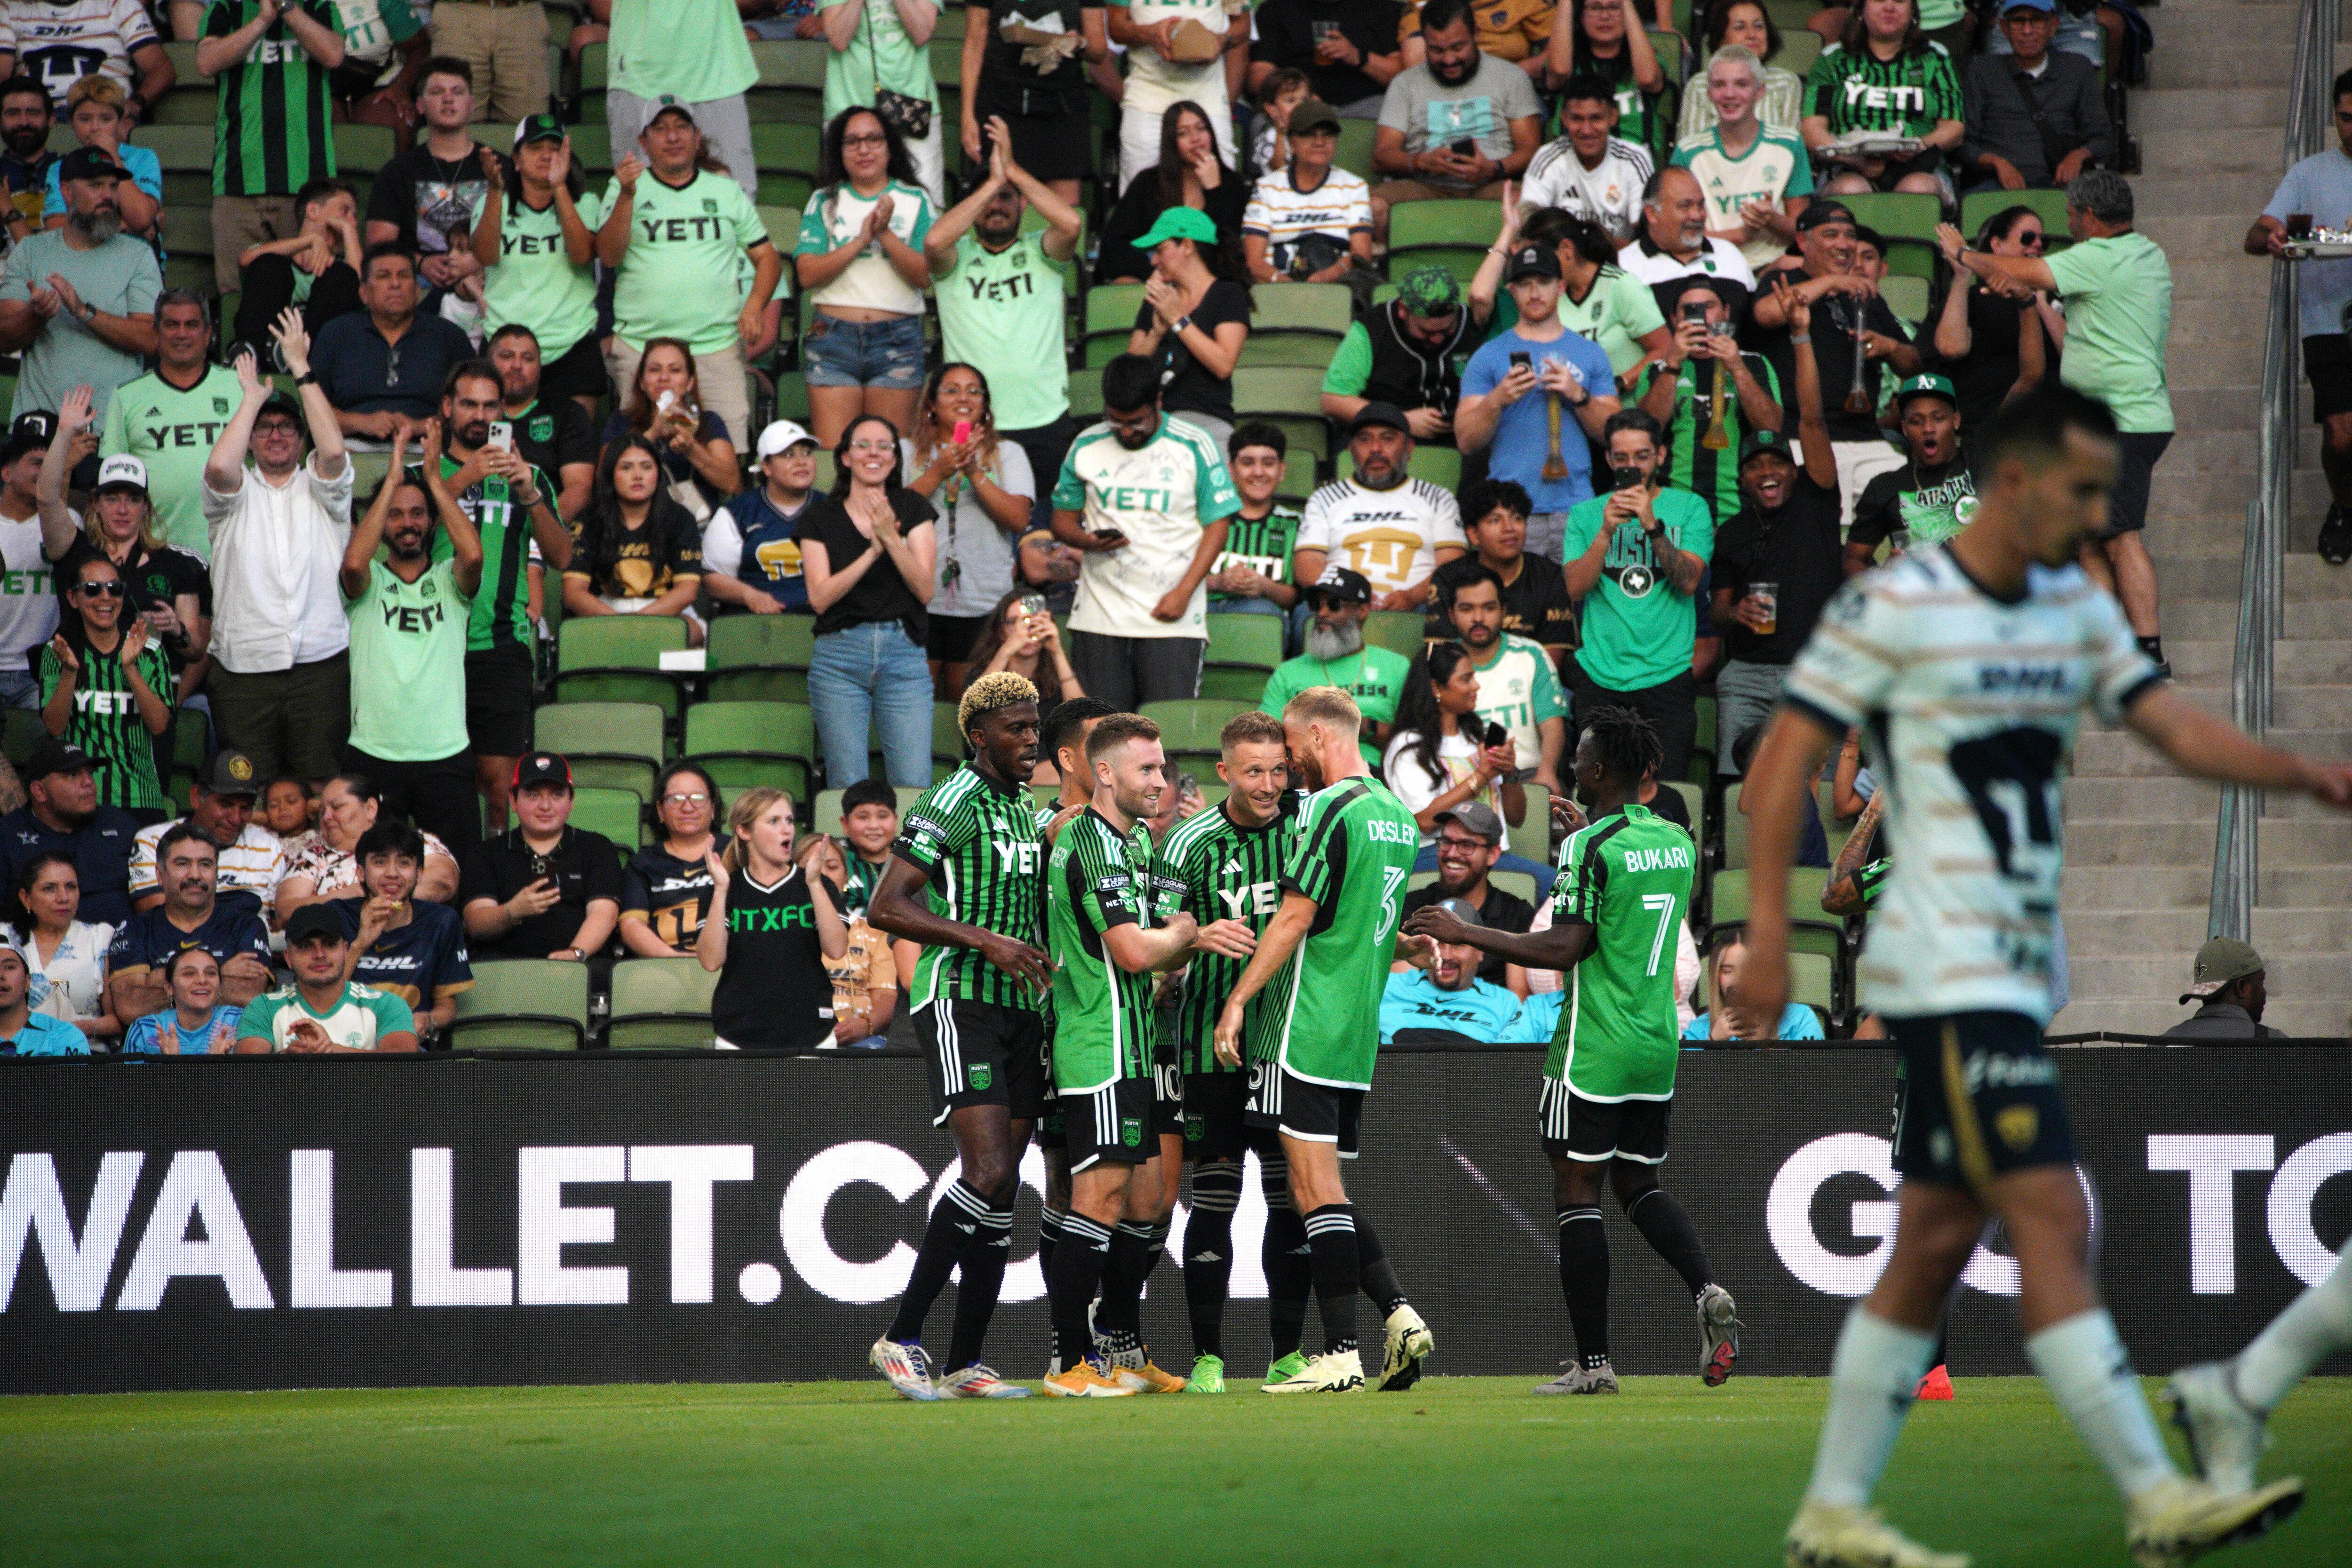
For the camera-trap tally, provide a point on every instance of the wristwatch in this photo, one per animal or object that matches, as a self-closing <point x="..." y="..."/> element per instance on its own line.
<point x="308" y="378"/>
<point x="1179" y="323"/>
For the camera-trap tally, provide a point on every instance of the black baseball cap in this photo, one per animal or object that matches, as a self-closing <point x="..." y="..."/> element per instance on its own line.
<point x="30" y="433"/>
<point x="1756" y="443"/>
<point x="279" y="402"/>
<point x="1338" y="582"/>
<point x="540" y="768"/>
<point x="232" y="772"/>
<point x="1821" y="212"/>
<point x="1379" y="416"/>
<point x="314" y="920"/>
<point x="87" y="163"/>
<point x="1533" y="261"/>
<point x="1313" y="114"/>
<point x="55" y="756"/>
<point x="533" y="127"/>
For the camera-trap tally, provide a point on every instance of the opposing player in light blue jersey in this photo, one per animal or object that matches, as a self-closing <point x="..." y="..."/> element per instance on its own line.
<point x="1967" y="666"/>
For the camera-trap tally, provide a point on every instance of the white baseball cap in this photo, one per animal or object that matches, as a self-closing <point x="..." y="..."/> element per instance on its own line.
<point x="782" y="436"/>
<point x="123" y="469"/>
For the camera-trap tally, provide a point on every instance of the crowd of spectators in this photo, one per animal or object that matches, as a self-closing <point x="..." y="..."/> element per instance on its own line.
<point x="1622" y="460"/>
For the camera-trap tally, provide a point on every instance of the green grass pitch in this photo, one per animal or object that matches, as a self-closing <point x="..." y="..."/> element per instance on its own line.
<point x="1458" y="1470"/>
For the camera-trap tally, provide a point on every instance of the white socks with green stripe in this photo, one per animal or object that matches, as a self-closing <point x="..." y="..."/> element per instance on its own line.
<point x="1872" y="1376"/>
<point x="2090" y="1375"/>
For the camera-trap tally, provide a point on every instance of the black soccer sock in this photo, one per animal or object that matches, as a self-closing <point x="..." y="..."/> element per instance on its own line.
<point x="1209" y="1253"/>
<point x="1332" y="1231"/>
<point x="955" y="1220"/>
<point x="1666" y="1225"/>
<point x="2152" y="646"/>
<point x="1119" y="1316"/>
<point x="984" y="1257"/>
<point x="1943" y="1335"/>
<point x="1159" y="1251"/>
<point x="1284" y="1255"/>
<point x="1380" y="1281"/>
<point x="1079" y="1266"/>
<point x="1049" y="1235"/>
<point x="1584" y="1280"/>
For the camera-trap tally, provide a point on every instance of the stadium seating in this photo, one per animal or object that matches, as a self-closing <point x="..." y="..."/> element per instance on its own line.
<point x="616" y="745"/>
<point x="528" y="1004"/>
<point x="742" y="744"/>
<point x="661" y="1004"/>
<point x="1908" y="220"/>
<point x="618" y="814"/>
<point x="758" y="659"/>
<point x="1399" y="631"/>
<point x="1189" y="731"/>
<point x="617" y="659"/>
<point x="1242" y="653"/>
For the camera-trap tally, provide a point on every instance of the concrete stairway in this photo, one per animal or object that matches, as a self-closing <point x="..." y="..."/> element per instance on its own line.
<point x="2140" y="839"/>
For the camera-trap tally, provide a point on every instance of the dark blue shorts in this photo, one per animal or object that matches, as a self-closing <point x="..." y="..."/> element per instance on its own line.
<point x="1979" y="1099"/>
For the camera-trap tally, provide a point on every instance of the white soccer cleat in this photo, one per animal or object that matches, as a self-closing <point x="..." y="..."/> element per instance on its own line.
<point x="2183" y="1518"/>
<point x="1339" y="1371"/>
<point x="1410" y="1343"/>
<point x="1826" y="1535"/>
<point x="979" y="1380"/>
<point x="908" y="1369"/>
<point x="1582" y="1379"/>
<point x="1718" y="1335"/>
<point x="2226" y="1437"/>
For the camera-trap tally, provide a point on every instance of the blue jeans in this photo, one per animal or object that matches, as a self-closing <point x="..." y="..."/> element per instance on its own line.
<point x="872" y="681"/>
<point x="1506" y="861"/>
<point x="18" y="689"/>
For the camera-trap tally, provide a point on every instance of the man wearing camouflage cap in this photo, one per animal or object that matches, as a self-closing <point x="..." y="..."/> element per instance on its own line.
<point x="2227" y="980"/>
<point x="1408" y="353"/>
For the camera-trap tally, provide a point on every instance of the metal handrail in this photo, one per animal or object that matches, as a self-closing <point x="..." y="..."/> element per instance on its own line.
<point x="2262" y="593"/>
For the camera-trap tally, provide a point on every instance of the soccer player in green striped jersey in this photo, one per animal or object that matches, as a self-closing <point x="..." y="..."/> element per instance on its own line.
<point x="1107" y="946"/>
<point x="963" y="882"/>
<point x="1324" y="961"/>
<point x="1224" y="866"/>
<point x="1609" y="1080"/>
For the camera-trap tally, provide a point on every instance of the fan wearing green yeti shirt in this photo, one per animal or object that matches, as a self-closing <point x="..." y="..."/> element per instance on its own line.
<point x="1324" y="960"/>
<point x="1609" y="1082"/>
<point x="170" y="417"/>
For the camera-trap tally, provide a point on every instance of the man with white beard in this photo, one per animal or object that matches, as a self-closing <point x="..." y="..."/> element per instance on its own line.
<point x="1336" y="655"/>
<point x="79" y="303"/>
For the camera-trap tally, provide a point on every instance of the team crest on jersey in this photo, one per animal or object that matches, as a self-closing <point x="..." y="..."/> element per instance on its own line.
<point x="543" y="430"/>
<point x="1635" y="582"/>
<point x="220" y="405"/>
<point x="1130" y="1132"/>
<point x="2018" y="1124"/>
<point x="981" y="1075"/>
<point x="710" y="207"/>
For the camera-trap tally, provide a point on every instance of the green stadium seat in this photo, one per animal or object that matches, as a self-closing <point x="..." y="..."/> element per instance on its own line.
<point x="617" y="659"/>
<point x="790" y="89"/>
<point x="187" y="231"/>
<point x="1441" y="466"/>
<point x="1518" y="884"/>
<point x="1905" y="296"/>
<point x="362" y="150"/>
<point x="1530" y="839"/>
<point x="1192" y="726"/>
<point x="21" y="734"/>
<point x="1289" y="396"/>
<point x="595" y="63"/>
<point x="758" y="659"/>
<point x="1355" y="152"/>
<point x="1298" y="481"/>
<point x="1799" y="47"/>
<point x="1243" y="652"/>
<point x="1731" y="899"/>
<point x="176" y="147"/>
<point x="1790" y="15"/>
<point x="1111" y="307"/>
<point x="1735" y="830"/>
<point x="827" y="818"/>
<point x="1812" y="982"/>
<point x="660" y="1004"/>
<point x="1400" y="631"/>
<point x="1416" y="225"/>
<point x="1908" y="220"/>
<point x="368" y="469"/>
<point x="616" y="745"/>
<point x="1694" y="801"/>
<point x="743" y="744"/>
<point x="528" y="1004"/>
<point x="617" y="814"/>
<point x="948" y="747"/>
<point x="1323" y="309"/>
<point x="2051" y="204"/>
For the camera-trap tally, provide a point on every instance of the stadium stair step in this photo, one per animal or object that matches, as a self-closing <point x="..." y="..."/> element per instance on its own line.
<point x="2139" y="839"/>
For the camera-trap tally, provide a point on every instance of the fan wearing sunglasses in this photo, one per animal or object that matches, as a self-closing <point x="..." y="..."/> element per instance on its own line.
<point x="1988" y="344"/>
<point x="106" y="688"/>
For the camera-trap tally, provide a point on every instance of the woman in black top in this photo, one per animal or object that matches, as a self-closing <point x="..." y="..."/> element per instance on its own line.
<point x="769" y="934"/>
<point x="1991" y="345"/>
<point x="1040" y="89"/>
<point x="634" y="552"/>
<point x="867" y="555"/>
<point x="667" y="884"/>
<point x="1190" y="175"/>
<point x="1194" y="318"/>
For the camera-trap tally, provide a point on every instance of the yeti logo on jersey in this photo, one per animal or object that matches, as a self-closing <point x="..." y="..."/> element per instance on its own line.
<point x="1261" y="897"/>
<point x="1025" y="857"/>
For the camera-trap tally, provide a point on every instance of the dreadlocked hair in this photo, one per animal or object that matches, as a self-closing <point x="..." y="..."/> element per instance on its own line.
<point x="989" y="693"/>
<point x="1627" y="743"/>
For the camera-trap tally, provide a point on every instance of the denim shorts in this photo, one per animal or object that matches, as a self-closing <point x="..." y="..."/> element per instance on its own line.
<point x="887" y="353"/>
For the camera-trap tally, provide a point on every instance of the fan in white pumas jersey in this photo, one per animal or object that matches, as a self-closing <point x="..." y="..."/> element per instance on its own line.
<point x="1394" y="529"/>
<point x="60" y="42"/>
<point x="1967" y="666"/>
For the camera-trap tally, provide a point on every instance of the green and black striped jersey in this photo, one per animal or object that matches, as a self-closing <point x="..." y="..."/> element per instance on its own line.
<point x="1214" y="869"/>
<point x="105" y="720"/>
<point x="499" y="616"/>
<point x="1102" y="1015"/>
<point x="1855" y="91"/>
<point x="272" y="136"/>
<point x="1264" y="544"/>
<point x="977" y="842"/>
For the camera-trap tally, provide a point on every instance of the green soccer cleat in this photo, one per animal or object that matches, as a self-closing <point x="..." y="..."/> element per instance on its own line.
<point x="1286" y="1369"/>
<point x="1208" y="1375"/>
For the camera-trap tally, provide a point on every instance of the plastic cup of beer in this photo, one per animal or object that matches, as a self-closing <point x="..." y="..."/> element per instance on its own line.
<point x="1769" y="595"/>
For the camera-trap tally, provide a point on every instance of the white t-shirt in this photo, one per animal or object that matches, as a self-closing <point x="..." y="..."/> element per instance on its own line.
<point x="1161" y="496"/>
<point x="1390" y="536"/>
<point x="1610" y="195"/>
<point x="72" y="985"/>
<point x="276" y="552"/>
<point x="1720" y="259"/>
<point x="28" y="596"/>
<point x="1153" y="82"/>
<point x="1411" y="783"/>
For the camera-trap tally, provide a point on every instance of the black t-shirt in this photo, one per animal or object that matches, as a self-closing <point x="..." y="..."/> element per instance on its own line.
<point x="1138" y="208"/>
<point x="1285" y="37"/>
<point x="1926" y="505"/>
<point x="1185" y="386"/>
<point x="1501" y="912"/>
<point x="1668" y="805"/>
<point x="881" y="594"/>
<point x="1834" y="358"/>
<point x="584" y="865"/>
<point x="774" y="990"/>
<point x="673" y="895"/>
<point x="433" y="202"/>
<point x="641" y="562"/>
<point x="553" y="432"/>
<point x="1796" y="548"/>
<point x="1536" y="605"/>
<point x="1003" y="80"/>
<point x="155" y="577"/>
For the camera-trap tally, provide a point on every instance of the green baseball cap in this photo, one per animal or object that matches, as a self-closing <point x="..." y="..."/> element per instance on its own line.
<point x="1927" y="385"/>
<point x="2219" y="961"/>
<point x="1181" y="223"/>
<point x="1430" y="291"/>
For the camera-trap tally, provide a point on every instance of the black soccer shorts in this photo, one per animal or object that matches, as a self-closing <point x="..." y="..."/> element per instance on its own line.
<point x="1592" y="1130"/>
<point x="1216" y="1106"/>
<point x="1980" y="1098"/>
<point x="979" y="1054"/>
<point x="1313" y="1112"/>
<point x="1111" y="1125"/>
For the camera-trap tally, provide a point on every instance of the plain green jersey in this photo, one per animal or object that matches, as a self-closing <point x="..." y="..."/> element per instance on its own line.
<point x="1005" y="310"/>
<point x="2118" y="294"/>
<point x="1616" y="312"/>
<point x="1102" y="1014"/>
<point x="1354" y="847"/>
<point x="1214" y="868"/>
<point x="105" y="720"/>
<point x="499" y="616"/>
<point x="679" y="278"/>
<point x="977" y="842"/>
<point x="693" y="50"/>
<point x="881" y="54"/>
<point x="173" y="432"/>
<point x="1710" y="473"/>
<point x="1374" y="677"/>
<point x="272" y="133"/>
<point x="1637" y="629"/>
<point x="360" y="1019"/>
<point x="1628" y="877"/>
<point x="408" y="665"/>
<point x="534" y="282"/>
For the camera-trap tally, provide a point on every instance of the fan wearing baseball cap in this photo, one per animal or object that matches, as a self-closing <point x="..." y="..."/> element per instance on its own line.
<point x="2231" y="989"/>
<point x="1932" y="495"/>
<point x="79" y="303"/>
<point x="322" y="1014"/>
<point x="1337" y="654"/>
<point x="535" y="239"/>
<point x="543" y="888"/>
<point x="751" y="548"/>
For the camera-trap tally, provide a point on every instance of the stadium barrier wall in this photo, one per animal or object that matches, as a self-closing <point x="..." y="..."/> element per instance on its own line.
<point x="271" y="1223"/>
